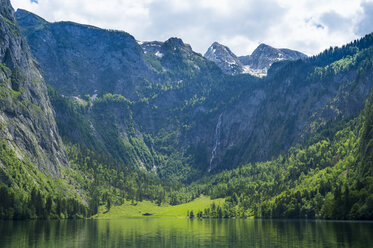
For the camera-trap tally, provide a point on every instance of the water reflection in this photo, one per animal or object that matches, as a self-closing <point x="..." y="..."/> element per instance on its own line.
<point x="154" y="232"/>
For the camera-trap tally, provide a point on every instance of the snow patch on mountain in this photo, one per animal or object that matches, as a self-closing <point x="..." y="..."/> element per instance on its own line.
<point x="256" y="64"/>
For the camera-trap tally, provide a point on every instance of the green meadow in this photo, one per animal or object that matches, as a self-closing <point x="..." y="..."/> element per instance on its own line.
<point x="137" y="209"/>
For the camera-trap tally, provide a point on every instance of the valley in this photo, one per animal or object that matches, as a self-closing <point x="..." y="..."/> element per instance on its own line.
<point x="96" y="124"/>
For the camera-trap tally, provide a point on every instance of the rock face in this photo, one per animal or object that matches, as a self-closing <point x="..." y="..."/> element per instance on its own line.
<point x="79" y="59"/>
<point x="95" y="59"/>
<point x="27" y="121"/>
<point x="228" y="62"/>
<point x="256" y="64"/>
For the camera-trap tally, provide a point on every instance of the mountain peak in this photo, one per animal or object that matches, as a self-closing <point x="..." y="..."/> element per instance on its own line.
<point x="30" y="18"/>
<point x="263" y="46"/>
<point x="264" y="56"/>
<point x="21" y="12"/>
<point x="174" y="41"/>
<point x="255" y="64"/>
<point x="176" y="44"/>
<point x="216" y="44"/>
<point x="224" y="58"/>
<point x="219" y="48"/>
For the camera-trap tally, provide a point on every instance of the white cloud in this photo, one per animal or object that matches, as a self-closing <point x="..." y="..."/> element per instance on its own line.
<point x="365" y="24"/>
<point x="305" y="25"/>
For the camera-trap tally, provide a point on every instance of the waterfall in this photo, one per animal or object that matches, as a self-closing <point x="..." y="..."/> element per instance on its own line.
<point x="216" y="141"/>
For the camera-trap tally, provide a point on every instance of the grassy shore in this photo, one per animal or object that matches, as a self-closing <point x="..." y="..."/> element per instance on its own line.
<point x="138" y="209"/>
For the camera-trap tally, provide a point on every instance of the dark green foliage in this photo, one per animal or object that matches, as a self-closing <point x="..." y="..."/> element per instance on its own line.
<point x="191" y="214"/>
<point x="108" y="180"/>
<point x="366" y="141"/>
<point x="71" y="121"/>
<point x="108" y="204"/>
<point x="15" y="205"/>
<point x="334" y="53"/>
<point x="98" y="126"/>
<point x="23" y="198"/>
<point x="330" y="178"/>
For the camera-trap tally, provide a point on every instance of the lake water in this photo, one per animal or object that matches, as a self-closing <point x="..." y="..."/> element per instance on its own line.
<point x="161" y="232"/>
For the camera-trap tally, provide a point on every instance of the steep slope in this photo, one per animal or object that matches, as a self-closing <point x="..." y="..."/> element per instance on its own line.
<point x="33" y="160"/>
<point x="27" y="118"/>
<point x="81" y="59"/>
<point x="330" y="178"/>
<point x="224" y="58"/>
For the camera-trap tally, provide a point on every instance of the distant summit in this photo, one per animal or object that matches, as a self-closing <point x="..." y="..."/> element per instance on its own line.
<point x="228" y="62"/>
<point x="158" y="48"/>
<point x="256" y="64"/>
<point x="264" y="56"/>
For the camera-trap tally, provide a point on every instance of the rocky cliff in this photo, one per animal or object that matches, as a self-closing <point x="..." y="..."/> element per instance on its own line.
<point x="27" y="123"/>
<point x="81" y="59"/>
<point x="224" y="58"/>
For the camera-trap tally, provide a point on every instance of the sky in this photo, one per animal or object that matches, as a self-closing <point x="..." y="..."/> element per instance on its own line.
<point x="309" y="26"/>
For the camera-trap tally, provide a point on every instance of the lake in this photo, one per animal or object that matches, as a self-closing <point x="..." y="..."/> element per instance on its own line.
<point x="164" y="232"/>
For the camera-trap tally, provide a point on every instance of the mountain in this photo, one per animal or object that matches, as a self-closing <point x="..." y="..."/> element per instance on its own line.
<point x="157" y="47"/>
<point x="228" y="62"/>
<point x="115" y="62"/>
<point x="256" y="64"/>
<point x="264" y="56"/>
<point x="185" y="116"/>
<point x="125" y="120"/>
<point x="41" y="176"/>
<point x="103" y="61"/>
<point x="135" y="98"/>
